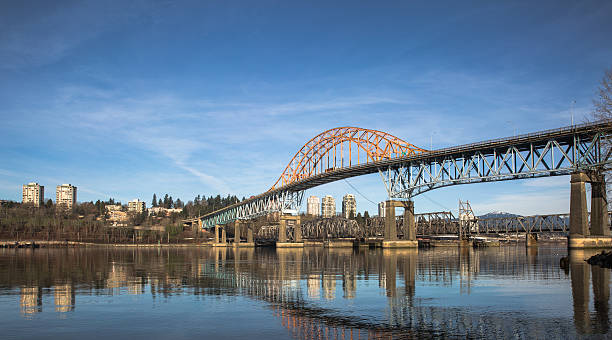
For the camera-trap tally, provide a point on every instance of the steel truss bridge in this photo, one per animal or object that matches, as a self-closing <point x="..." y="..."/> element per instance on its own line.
<point x="408" y="171"/>
<point x="427" y="224"/>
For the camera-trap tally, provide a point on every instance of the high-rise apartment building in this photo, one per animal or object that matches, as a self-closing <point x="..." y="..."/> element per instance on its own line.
<point x="66" y="195"/>
<point x="136" y="206"/>
<point x="349" y="206"/>
<point x="328" y="206"/>
<point x="313" y="206"/>
<point x="34" y="193"/>
<point x="381" y="209"/>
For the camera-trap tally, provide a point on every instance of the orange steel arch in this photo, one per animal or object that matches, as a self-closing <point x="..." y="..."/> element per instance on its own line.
<point x="330" y="150"/>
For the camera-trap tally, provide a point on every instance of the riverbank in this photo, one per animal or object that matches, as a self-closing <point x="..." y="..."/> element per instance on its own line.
<point x="64" y="244"/>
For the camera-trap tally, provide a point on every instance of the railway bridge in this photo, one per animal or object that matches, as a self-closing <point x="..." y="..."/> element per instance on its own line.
<point x="581" y="151"/>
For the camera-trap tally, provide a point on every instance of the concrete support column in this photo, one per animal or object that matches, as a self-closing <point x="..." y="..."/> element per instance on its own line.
<point x="390" y="227"/>
<point x="282" y="230"/>
<point x="250" y="235"/>
<point x="216" y="233"/>
<point x="297" y="231"/>
<point x="409" y="224"/>
<point x="223" y="235"/>
<point x="599" y="208"/>
<point x="237" y="232"/>
<point x="579" y="218"/>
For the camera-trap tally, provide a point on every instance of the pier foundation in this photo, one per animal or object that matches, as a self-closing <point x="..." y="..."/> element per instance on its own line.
<point x="390" y="238"/>
<point x="283" y="241"/>
<point x="599" y="234"/>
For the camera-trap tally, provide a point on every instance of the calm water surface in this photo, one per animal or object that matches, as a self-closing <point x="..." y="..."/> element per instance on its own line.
<point x="506" y="292"/>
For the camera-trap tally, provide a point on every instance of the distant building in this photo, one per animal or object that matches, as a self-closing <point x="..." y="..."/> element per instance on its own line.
<point x="66" y="195"/>
<point x="116" y="207"/>
<point x="328" y="206"/>
<point x="34" y="193"/>
<point x="381" y="209"/>
<point x="117" y="216"/>
<point x="136" y="206"/>
<point x="163" y="211"/>
<point x="349" y="206"/>
<point x="313" y="206"/>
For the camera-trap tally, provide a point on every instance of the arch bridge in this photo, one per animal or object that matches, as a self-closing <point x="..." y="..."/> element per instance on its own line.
<point x="407" y="170"/>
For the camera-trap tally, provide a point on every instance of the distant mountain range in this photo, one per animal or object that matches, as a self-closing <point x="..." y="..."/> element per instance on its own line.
<point x="498" y="214"/>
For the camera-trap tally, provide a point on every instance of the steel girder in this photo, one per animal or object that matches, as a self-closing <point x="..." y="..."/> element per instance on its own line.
<point x="514" y="158"/>
<point x="277" y="201"/>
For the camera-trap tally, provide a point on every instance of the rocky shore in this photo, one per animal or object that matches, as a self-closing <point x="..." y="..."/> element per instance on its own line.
<point x="603" y="259"/>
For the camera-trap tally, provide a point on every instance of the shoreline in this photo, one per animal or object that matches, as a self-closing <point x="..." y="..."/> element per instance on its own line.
<point x="33" y="244"/>
<point x="29" y="244"/>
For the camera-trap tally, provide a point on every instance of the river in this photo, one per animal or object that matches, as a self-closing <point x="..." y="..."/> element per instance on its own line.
<point x="314" y="293"/>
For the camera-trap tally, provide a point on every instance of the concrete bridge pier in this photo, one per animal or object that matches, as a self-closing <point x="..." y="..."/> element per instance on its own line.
<point x="216" y="242"/>
<point x="580" y="235"/>
<point x="238" y="231"/>
<point x="599" y="207"/>
<point x="250" y="235"/>
<point x="282" y="232"/>
<point x="390" y="238"/>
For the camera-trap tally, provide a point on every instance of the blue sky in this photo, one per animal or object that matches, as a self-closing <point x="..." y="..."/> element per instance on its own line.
<point x="187" y="98"/>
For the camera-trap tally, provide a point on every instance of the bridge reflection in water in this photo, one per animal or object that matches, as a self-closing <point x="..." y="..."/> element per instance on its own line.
<point x="320" y="293"/>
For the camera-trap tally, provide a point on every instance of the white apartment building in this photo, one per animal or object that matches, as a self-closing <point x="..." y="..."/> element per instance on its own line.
<point x="34" y="193"/>
<point x="66" y="195"/>
<point x="328" y="206"/>
<point x="136" y="206"/>
<point x="116" y="207"/>
<point x="349" y="206"/>
<point x="381" y="209"/>
<point x="313" y="206"/>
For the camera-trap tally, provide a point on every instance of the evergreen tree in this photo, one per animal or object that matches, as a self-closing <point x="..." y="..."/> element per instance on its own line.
<point x="166" y="201"/>
<point x="170" y="203"/>
<point x="159" y="203"/>
<point x="154" y="202"/>
<point x="366" y="214"/>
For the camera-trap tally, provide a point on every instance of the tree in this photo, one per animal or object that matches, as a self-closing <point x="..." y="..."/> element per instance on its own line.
<point x="154" y="202"/>
<point x="603" y="102"/>
<point x="366" y="214"/>
<point x="166" y="201"/>
<point x="603" y="110"/>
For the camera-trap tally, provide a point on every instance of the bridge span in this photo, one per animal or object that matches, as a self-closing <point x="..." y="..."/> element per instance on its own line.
<point x="407" y="171"/>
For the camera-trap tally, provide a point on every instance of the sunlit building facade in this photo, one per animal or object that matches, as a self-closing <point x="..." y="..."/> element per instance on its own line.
<point x="328" y="206"/>
<point x="34" y="193"/>
<point x="349" y="206"/>
<point x="136" y="205"/>
<point x="381" y="209"/>
<point x="66" y="195"/>
<point x="313" y="206"/>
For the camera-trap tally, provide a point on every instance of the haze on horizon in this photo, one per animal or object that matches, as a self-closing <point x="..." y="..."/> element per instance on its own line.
<point x="204" y="98"/>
